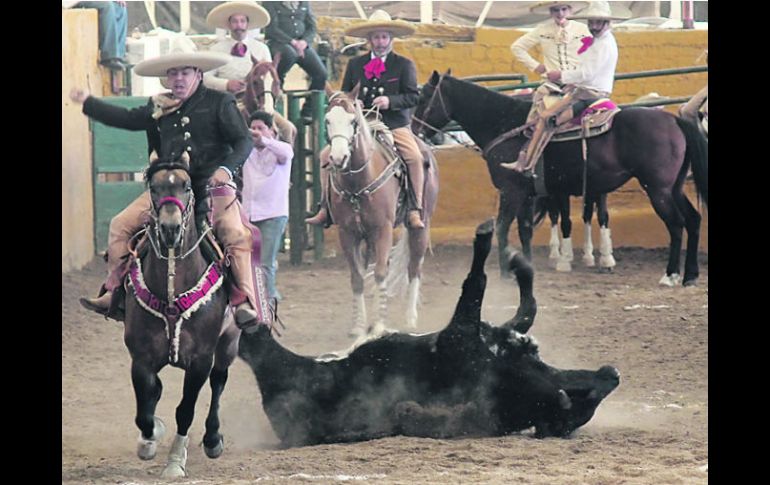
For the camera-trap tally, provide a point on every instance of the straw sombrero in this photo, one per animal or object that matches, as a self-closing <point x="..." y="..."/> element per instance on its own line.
<point x="598" y="11"/>
<point x="219" y="15"/>
<point x="380" y="20"/>
<point x="545" y="7"/>
<point x="205" y="61"/>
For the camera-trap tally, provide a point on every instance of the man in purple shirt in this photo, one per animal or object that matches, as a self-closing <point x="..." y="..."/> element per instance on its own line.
<point x="266" y="190"/>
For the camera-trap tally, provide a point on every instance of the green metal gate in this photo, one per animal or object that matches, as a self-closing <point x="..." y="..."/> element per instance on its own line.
<point x="118" y="156"/>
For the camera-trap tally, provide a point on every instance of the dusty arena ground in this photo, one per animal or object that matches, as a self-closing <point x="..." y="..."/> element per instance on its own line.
<point x="651" y="430"/>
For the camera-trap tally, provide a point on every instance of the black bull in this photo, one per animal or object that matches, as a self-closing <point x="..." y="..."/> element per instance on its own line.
<point x="468" y="379"/>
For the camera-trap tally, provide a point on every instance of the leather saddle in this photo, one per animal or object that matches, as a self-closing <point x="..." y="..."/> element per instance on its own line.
<point x="595" y="118"/>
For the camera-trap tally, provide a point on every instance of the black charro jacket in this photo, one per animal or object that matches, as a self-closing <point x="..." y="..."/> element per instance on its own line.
<point x="207" y="125"/>
<point x="287" y="24"/>
<point x="398" y="83"/>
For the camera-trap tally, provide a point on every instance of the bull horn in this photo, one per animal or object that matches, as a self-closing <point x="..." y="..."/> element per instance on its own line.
<point x="564" y="401"/>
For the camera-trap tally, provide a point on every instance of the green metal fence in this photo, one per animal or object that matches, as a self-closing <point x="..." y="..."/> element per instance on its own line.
<point x="117" y="154"/>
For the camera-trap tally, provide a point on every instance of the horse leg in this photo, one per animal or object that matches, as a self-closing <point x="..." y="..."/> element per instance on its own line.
<point x="606" y="260"/>
<point x="553" y="243"/>
<point x="588" y="243"/>
<point x="350" y="246"/>
<point x="505" y="215"/>
<point x="565" y="260"/>
<point x="147" y="390"/>
<point x="227" y="349"/>
<point x="524" y="219"/>
<point x="692" y="221"/>
<point x="194" y="378"/>
<point x="666" y="208"/>
<point x="382" y="244"/>
<point x="418" y="244"/>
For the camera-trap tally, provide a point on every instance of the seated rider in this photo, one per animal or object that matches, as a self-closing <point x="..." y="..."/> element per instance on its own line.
<point x="388" y="84"/>
<point x="592" y="79"/>
<point x="698" y="104"/>
<point x="207" y="125"/>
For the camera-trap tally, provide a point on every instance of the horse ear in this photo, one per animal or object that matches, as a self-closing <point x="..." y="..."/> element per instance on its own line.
<point x="448" y="72"/>
<point x="153" y="156"/>
<point x="434" y="78"/>
<point x="353" y="94"/>
<point x="329" y="90"/>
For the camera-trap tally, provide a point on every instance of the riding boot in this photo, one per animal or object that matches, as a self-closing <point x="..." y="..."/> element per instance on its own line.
<point x="531" y="148"/>
<point x="99" y="304"/>
<point x="322" y="217"/>
<point x="416" y="179"/>
<point x="240" y="270"/>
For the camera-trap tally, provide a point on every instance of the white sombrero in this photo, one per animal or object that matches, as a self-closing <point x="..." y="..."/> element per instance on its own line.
<point x="598" y="11"/>
<point x="380" y="20"/>
<point x="205" y="61"/>
<point x="220" y="15"/>
<point x="545" y="7"/>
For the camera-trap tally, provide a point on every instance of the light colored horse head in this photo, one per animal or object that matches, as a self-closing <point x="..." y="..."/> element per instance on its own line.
<point x="347" y="130"/>
<point x="263" y="74"/>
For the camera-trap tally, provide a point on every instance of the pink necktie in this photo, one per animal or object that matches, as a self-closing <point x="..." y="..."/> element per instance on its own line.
<point x="239" y="49"/>
<point x="587" y="42"/>
<point x="374" y="68"/>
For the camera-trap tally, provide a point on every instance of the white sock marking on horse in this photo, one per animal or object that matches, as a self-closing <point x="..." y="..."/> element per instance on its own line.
<point x="413" y="299"/>
<point x="606" y="260"/>
<point x="147" y="448"/>
<point x="588" y="246"/>
<point x="359" y="316"/>
<point x="553" y="243"/>
<point x="567" y="256"/>
<point x="670" y="280"/>
<point x="177" y="458"/>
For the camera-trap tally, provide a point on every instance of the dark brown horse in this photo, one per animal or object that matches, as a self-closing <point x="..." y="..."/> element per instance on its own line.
<point x="654" y="146"/>
<point x="175" y="314"/>
<point x="364" y="196"/>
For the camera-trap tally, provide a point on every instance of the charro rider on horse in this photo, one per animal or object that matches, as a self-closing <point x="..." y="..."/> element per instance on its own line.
<point x="388" y="84"/>
<point x="207" y="125"/>
<point x="592" y="79"/>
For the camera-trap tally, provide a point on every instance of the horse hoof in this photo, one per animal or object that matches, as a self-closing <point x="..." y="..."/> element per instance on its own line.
<point x="607" y="261"/>
<point x="690" y="282"/>
<point x="148" y="448"/>
<point x="216" y="451"/>
<point x="671" y="280"/>
<point x="589" y="261"/>
<point x="173" y="470"/>
<point x="605" y="270"/>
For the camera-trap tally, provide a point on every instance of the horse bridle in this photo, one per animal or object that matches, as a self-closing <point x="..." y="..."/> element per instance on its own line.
<point x="352" y="141"/>
<point x="187" y="211"/>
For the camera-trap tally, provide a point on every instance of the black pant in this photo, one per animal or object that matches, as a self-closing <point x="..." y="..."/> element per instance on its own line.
<point x="311" y="63"/>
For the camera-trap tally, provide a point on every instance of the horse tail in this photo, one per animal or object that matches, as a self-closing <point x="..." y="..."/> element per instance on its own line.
<point x="540" y="209"/>
<point x="697" y="155"/>
<point x="397" y="280"/>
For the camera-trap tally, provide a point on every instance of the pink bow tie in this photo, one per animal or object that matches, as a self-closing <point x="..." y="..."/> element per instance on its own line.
<point x="374" y="68"/>
<point x="239" y="49"/>
<point x="587" y="42"/>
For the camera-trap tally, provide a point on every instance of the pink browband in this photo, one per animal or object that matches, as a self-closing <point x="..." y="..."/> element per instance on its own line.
<point x="172" y="200"/>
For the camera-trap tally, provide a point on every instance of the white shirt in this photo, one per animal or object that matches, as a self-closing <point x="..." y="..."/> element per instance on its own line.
<point x="266" y="175"/>
<point x="596" y="69"/>
<point x="559" y="53"/>
<point x="238" y="67"/>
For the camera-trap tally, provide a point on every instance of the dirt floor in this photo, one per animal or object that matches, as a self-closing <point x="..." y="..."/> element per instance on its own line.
<point x="651" y="430"/>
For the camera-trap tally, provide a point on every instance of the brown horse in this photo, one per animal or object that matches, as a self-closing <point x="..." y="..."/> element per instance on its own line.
<point x="175" y="314"/>
<point x="653" y="146"/>
<point x="364" y="193"/>
<point x="258" y="96"/>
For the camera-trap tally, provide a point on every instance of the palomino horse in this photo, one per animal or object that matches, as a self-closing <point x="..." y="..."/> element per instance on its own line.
<point x="364" y="194"/>
<point x="654" y="146"/>
<point x="175" y="314"/>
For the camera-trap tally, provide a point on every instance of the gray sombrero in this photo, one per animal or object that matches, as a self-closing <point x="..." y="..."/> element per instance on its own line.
<point x="157" y="66"/>
<point x="380" y="20"/>
<point x="220" y="15"/>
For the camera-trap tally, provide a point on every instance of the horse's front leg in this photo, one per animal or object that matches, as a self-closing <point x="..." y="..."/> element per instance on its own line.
<point x="505" y="214"/>
<point x="566" y="254"/>
<point x="383" y="241"/>
<point x="194" y="378"/>
<point x="606" y="259"/>
<point x="227" y="349"/>
<point x="147" y="390"/>
<point x="418" y="244"/>
<point x="350" y="247"/>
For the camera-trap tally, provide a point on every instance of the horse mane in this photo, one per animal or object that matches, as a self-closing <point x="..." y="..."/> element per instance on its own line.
<point x="164" y="164"/>
<point x="508" y="111"/>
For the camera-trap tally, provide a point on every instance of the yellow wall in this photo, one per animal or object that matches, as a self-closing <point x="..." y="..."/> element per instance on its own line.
<point x="79" y="68"/>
